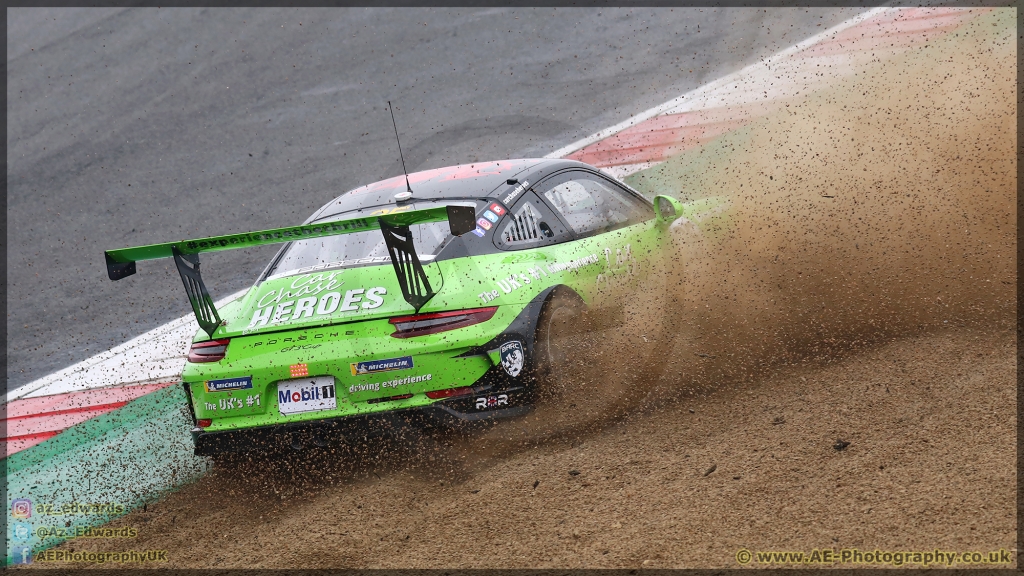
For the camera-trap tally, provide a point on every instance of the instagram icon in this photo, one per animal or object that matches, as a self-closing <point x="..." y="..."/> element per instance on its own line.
<point x="21" y="508"/>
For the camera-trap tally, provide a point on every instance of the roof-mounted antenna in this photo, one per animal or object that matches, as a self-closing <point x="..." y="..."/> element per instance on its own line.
<point x="408" y="188"/>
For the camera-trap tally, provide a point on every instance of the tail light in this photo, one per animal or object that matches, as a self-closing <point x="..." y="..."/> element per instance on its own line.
<point x="204" y="422"/>
<point x="209" y="351"/>
<point x="449" y="393"/>
<point x="434" y="322"/>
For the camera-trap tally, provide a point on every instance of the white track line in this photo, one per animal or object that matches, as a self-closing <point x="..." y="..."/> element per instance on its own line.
<point x="159" y="353"/>
<point x="684" y="102"/>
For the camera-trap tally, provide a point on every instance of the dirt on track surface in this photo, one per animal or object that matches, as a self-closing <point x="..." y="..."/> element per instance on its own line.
<point x="931" y="426"/>
<point x="865" y="293"/>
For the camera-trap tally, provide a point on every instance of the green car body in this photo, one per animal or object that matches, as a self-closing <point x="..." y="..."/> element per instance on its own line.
<point x="343" y="344"/>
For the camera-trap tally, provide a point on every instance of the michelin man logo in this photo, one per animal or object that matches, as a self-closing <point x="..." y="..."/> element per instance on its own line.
<point x="512" y="357"/>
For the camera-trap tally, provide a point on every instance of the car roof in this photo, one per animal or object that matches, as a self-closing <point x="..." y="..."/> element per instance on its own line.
<point x="475" y="180"/>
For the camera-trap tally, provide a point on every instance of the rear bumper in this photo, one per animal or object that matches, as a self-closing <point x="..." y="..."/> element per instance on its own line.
<point x="496" y="396"/>
<point x="454" y="413"/>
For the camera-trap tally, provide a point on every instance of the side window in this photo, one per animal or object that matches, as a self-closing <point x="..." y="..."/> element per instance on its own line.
<point x="529" y="224"/>
<point x="592" y="206"/>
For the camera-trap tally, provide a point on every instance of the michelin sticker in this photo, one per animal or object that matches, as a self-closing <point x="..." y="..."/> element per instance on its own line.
<point x="403" y="363"/>
<point x="243" y="383"/>
<point x="512" y="357"/>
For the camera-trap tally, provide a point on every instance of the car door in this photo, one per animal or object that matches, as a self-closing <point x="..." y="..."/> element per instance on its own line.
<point x="607" y="220"/>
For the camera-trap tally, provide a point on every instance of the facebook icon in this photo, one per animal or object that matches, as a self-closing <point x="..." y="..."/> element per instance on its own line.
<point x="24" y="556"/>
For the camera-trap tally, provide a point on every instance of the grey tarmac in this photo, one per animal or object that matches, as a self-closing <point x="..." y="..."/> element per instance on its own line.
<point x="145" y="125"/>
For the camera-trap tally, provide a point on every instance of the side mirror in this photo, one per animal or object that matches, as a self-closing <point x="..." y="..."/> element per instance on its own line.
<point x="668" y="209"/>
<point x="461" y="219"/>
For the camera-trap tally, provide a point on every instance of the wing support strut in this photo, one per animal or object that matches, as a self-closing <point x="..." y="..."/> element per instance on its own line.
<point x="412" y="279"/>
<point x="198" y="295"/>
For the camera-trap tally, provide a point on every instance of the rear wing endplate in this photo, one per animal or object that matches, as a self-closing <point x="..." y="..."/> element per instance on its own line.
<point x="415" y="287"/>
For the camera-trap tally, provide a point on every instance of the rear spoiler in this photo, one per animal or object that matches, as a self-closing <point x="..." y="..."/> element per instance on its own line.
<point x="395" y="227"/>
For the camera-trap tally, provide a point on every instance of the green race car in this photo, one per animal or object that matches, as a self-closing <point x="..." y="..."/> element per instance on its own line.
<point x="428" y="299"/>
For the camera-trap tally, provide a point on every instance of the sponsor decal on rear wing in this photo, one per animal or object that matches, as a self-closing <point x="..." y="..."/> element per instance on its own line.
<point x="394" y="226"/>
<point x="121" y="262"/>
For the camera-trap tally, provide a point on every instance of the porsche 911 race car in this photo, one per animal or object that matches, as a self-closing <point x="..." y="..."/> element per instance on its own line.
<point x="428" y="299"/>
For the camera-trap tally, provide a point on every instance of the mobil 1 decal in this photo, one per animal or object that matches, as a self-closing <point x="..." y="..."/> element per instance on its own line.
<point x="306" y="395"/>
<point x="513" y="357"/>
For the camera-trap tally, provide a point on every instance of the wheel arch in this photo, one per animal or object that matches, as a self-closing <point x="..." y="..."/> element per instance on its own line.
<point x="524" y="327"/>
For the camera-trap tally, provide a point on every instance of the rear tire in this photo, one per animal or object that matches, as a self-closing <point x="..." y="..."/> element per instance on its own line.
<point x="586" y="368"/>
<point x="559" y="330"/>
<point x="577" y="386"/>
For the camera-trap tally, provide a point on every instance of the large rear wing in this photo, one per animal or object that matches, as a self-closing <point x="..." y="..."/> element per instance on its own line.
<point x="416" y="288"/>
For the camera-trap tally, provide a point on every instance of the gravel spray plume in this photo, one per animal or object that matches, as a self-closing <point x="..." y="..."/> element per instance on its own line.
<point x="879" y="207"/>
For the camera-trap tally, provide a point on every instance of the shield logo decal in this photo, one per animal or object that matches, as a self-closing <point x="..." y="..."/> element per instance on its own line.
<point x="512" y="357"/>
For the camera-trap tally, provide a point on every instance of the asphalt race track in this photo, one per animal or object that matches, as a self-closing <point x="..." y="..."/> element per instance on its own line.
<point x="137" y="126"/>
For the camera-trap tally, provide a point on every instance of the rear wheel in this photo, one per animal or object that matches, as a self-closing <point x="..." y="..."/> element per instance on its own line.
<point x="578" y="383"/>
<point x="588" y="367"/>
<point x="558" y="339"/>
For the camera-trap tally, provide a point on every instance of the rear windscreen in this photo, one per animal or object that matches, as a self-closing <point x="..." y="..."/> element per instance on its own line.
<point x="355" y="249"/>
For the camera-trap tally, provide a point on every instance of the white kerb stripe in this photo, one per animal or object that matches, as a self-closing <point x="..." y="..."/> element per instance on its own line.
<point x="724" y="80"/>
<point x="156" y="355"/>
